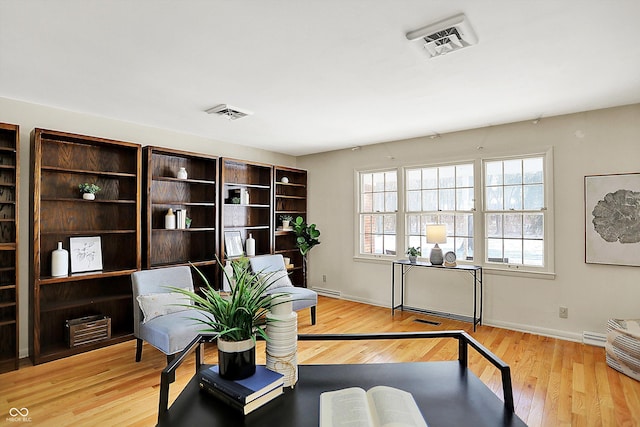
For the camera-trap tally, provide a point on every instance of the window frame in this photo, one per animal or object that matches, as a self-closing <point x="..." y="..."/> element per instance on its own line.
<point x="359" y="244"/>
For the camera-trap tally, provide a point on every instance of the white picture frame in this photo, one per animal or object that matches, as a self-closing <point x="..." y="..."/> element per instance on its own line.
<point x="85" y="254"/>
<point x="233" y="244"/>
<point x="612" y="219"/>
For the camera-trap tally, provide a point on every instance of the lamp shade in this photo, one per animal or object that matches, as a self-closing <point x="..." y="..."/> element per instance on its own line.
<point x="437" y="233"/>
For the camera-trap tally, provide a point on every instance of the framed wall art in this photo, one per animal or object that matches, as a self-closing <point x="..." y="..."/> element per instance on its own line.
<point x="612" y="219"/>
<point x="233" y="244"/>
<point x="85" y="254"/>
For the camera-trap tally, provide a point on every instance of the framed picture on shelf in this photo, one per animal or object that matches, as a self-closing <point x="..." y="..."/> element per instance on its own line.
<point x="612" y="219"/>
<point x="85" y="254"/>
<point x="233" y="244"/>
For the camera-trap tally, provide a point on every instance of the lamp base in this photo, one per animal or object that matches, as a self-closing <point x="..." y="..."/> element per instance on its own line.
<point x="435" y="257"/>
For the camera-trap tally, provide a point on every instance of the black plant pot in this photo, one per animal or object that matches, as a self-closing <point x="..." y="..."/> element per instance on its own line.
<point x="236" y="360"/>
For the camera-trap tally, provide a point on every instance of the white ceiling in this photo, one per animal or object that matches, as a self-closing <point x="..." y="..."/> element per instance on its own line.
<point x="318" y="74"/>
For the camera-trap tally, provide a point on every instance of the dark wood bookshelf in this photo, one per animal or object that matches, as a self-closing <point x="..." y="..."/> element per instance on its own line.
<point x="198" y="195"/>
<point x="9" y="301"/>
<point x="60" y="161"/>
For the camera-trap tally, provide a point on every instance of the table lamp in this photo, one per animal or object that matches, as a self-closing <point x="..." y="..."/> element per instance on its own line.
<point x="436" y="233"/>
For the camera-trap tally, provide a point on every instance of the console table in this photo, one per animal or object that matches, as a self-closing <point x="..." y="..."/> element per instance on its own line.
<point x="447" y="393"/>
<point x="474" y="270"/>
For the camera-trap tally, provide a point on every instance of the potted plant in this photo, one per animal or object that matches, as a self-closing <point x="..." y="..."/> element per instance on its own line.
<point x="286" y="220"/>
<point x="88" y="191"/>
<point x="413" y="253"/>
<point x="234" y="318"/>
<point x="306" y="238"/>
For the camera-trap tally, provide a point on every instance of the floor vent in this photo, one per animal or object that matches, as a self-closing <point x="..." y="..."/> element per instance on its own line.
<point x="448" y="35"/>
<point x="429" y="322"/>
<point x="594" y="338"/>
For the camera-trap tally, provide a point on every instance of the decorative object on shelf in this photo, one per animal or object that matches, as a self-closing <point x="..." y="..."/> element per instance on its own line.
<point x="235" y="318"/>
<point x="227" y="277"/>
<point x="170" y="220"/>
<point x="306" y="238"/>
<point x="244" y="196"/>
<point x="250" y="245"/>
<point x="86" y="254"/>
<point x="612" y="219"/>
<point x="233" y="244"/>
<point x="286" y="221"/>
<point x="89" y="191"/>
<point x="59" y="261"/>
<point x="282" y="346"/>
<point x="287" y="262"/>
<point x="181" y="219"/>
<point x="187" y="222"/>
<point x="413" y="254"/>
<point x="284" y="180"/>
<point x="450" y="259"/>
<point x="182" y="173"/>
<point x="436" y="233"/>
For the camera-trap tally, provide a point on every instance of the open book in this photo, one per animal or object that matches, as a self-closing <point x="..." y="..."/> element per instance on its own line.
<point x="381" y="406"/>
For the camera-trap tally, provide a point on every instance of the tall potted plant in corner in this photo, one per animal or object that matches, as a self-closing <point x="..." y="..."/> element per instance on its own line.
<point x="306" y="238"/>
<point x="234" y="319"/>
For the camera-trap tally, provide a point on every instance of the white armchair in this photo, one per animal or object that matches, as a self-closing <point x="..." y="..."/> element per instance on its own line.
<point x="274" y="266"/>
<point x="158" y="317"/>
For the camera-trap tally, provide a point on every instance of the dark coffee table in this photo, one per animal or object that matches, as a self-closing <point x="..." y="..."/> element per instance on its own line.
<point x="448" y="393"/>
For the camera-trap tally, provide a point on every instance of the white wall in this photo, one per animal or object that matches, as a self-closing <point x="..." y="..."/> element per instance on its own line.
<point x="596" y="142"/>
<point x="29" y="116"/>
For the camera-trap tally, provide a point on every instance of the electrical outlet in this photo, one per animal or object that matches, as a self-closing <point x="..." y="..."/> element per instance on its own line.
<point x="563" y="312"/>
<point x="324" y="278"/>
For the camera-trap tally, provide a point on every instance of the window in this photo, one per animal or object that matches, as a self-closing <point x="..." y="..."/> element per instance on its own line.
<point x="377" y="210"/>
<point x="514" y="211"/>
<point x="441" y="195"/>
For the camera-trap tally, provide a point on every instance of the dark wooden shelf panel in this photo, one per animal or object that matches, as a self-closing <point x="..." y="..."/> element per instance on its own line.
<point x="88" y="172"/>
<point x="185" y="181"/>
<point x="83" y="302"/>
<point x="58" y="351"/>
<point x="84" y="276"/>
<point x="81" y="200"/>
<point x="86" y="232"/>
<point x="282" y="196"/>
<point x="177" y="203"/>
<point x="290" y="184"/>
<point x="238" y="205"/>
<point x="184" y="230"/>
<point x="8" y="322"/>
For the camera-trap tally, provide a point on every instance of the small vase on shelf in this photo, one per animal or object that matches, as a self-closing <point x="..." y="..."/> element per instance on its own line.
<point x="250" y="245"/>
<point x="88" y="196"/>
<point x="170" y="220"/>
<point x="182" y="173"/>
<point x="59" y="261"/>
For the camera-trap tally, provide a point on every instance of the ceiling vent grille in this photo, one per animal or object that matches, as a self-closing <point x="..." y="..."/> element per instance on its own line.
<point x="448" y="35"/>
<point x="228" y="112"/>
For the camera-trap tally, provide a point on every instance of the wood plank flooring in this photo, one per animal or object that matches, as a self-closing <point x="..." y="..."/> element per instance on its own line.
<point x="555" y="382"/>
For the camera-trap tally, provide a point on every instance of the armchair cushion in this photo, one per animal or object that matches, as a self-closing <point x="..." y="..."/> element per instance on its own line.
<point x="277" y="279"/>
<point x="160" y="304"/>
<point x="172" y="332"/>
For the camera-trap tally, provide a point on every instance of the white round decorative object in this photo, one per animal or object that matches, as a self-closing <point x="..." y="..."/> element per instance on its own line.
<point x="88" y="196"/>
<point x="284" y="180"/>
<point x="182" y="173"/>
<point x="450" y="259"/>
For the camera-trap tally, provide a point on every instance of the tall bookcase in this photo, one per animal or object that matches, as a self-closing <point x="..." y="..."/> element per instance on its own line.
<point x="290" y="198"/>
<point x="61" y="161"/>
<point x="197" y="195"/>
<point x="254" y="218"/>
<point x="9" y="178"/>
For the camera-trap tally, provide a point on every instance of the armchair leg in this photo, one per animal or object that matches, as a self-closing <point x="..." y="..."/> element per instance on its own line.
<point x="170" y="357"/>
<point x="138" y="349"/>
<point x="313" y="315"/>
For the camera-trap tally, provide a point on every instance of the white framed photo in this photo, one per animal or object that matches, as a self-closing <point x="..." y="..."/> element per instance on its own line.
<point x="85" y="254"/>
<point x="233" y="244"/>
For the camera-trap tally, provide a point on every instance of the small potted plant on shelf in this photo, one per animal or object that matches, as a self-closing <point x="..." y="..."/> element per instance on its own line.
<point x="286" y="220"/>
<point x="88" y="191"/>
<point x="234" y="319"/>
<point x="413" y="253"/>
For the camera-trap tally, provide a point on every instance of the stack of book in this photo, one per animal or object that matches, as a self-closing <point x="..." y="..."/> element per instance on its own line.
<point x="244" y="395"/>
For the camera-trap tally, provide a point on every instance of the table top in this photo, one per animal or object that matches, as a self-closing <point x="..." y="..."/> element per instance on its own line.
<point x="444" y="267"/>
<point x="447" y="393"/>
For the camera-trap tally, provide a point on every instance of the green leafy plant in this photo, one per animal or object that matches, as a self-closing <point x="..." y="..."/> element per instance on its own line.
<point x="306" y="235"/>
<point x="286" y="218"/>
<point x="241" y="314"/>
<point x="413" y="251"/>
<point x="89" y="188"/>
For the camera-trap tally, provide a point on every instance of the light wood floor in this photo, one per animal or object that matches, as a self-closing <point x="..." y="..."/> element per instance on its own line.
<point x="555" y="382"/>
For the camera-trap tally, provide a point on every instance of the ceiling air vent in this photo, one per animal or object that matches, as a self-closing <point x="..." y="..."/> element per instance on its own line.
<point x="445" y="36"/>
<point x="228" y="112"/>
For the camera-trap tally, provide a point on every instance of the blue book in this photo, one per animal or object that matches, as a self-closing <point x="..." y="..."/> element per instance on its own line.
<point x="247" y="389"/>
